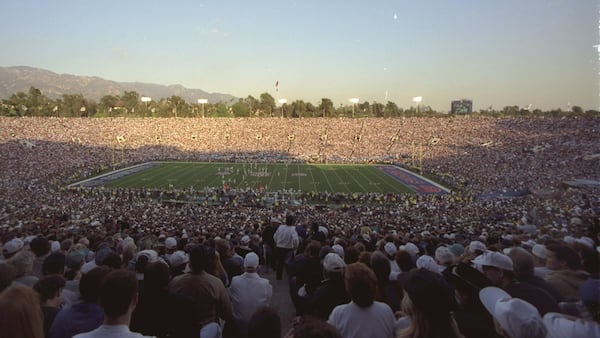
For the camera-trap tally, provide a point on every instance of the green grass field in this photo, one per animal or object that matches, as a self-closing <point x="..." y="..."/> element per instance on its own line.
<point x="272" y="177"/>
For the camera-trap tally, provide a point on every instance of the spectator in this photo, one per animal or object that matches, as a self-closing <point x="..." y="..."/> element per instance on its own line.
<point x="515" y="317"/>
<point x="565" y="276"/>
<point x="264" y="323"/>
<point x="523" y="264"/>
<point x="499" y="269"/>
<point x="86" y="315"/>
<point x="428" y="302"/>
<point x="205" y="291"/>
<point x="7" y="274"/>
<point x="118" y="297"/>
<point x="249" y="292"/>
<point x="49" y="288"/>
<point x="11" y="247"/>
<point x="331" y="292"/>
<point x="23" y="263"/>
<point x="560" y="325"/>
<point x="388" y="291"/>
<point x="286" y="241"/>
<point x="363" y="316"/>
<point x="40" y="246"/>
<point x="305" y="273"/>
<point x="470" y="315"/>
<point x="20" y="313"/>
<point x="309" y="327"/>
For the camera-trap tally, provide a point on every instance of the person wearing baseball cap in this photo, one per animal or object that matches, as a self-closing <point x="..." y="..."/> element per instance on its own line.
<point x="331" y="292"/>
<point x="499" y="269"/>
<point x="11" y="247"/>
<point x="514" y="317"/>
<point x="248" y="292"/>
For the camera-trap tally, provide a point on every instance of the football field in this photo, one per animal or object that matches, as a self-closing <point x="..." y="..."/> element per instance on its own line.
<point x="267" y="177"/>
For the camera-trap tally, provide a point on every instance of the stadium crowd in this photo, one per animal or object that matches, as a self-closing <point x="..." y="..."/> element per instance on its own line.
<point x="404" y="265"/>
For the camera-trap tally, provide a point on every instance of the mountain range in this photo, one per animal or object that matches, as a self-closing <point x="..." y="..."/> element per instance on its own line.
<point x="53" y="85"/>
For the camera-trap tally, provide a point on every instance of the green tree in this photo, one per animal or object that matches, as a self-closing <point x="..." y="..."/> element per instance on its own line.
<point x="72" y="105"/>
<point x="267" y="104"/>
<point x="241" y="108"/>
<point x="391" y="109"/>
<point x="130" y="101"/>
<point x="107" y="104"/>
<point x="326" y="107"/>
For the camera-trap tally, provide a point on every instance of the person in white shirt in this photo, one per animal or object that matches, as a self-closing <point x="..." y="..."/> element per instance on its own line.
<point x="363" y="316"/>
<point x="286" y="241"/>
<point x="118" y="298"/>
<point x="249" y="292"/>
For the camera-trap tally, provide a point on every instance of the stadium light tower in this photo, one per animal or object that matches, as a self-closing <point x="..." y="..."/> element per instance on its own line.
<point x="146" y="99"/>
<point x="282" y="102"/>
<point x="202" y="102"/>
<point x="354" y="101"/>
<point x="417" y="100"/>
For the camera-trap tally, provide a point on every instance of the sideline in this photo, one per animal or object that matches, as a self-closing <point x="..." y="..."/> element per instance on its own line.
<point x="417" y="183"/>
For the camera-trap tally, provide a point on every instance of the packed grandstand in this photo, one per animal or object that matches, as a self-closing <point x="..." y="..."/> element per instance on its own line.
<point x="511" y="178"/>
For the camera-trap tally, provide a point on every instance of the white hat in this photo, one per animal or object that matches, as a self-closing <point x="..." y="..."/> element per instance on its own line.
<point x="477" y="245"/>
<point x="586" y="241"/>
<point x="245" y="240"/>
<point x="178" y="258"/>
<point x="427" y="262"/>
<point x="411" y="248"/>
<point x="497" y="260"/>
<point x="251" y="260"/>
<point x="338" y="249"/>
<point x="569" y="239"/>
<point x="170" y="243"/>
<point x="518" y="318"/>
<point x="333" y="262"/>
<point x="54" y="246"/>
<point x="539" y="251"/>
<point x="390" y="248"/>
<point x="443" y="255"/>
<point x="12" y="246"/>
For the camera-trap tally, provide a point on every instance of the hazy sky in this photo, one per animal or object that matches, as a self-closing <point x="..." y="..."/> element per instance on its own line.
<point x="495" y="52"/>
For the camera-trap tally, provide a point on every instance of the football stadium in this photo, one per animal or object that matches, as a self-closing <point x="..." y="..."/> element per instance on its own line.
<point x="358" y="186"/>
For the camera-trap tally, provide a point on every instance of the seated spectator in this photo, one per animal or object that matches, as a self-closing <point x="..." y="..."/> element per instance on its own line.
<point x="470" y="315"/>
<point x="499" y="269"/>
<point x="309" y="327"/>
<point x="428" y="302"/>
<point x="514" y="317"/>
<point x="49" y="288"/>
<point x="23" y="264"/>
<point x="264" y="323"/>
<point x="20" y="313"/>
<point x="388" y="291"/>
<point x="7" y="274"/>
<point x="86" y="315"/>
<point x="363" y="316"/>
<point x="565" y="276"/>
<point x="523" y="264"/>
<point x="560" y="325"/>
<point x="118" y="298"/>
<point x="332" y="291"/>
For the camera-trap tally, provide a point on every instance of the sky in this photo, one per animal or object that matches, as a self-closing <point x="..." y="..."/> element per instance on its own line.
<point x="494" y="52"/>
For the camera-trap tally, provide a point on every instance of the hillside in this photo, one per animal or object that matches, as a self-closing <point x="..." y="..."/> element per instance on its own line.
<point x="53" y="85"/>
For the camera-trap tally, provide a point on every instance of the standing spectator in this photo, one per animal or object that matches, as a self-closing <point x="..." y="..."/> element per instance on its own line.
<point x="565" y="276"/>
<point x="269" y="243"/>
<point x="7" y="274"/>
<point x="286" y="241"/>
<point x="118" y="297"/>
<point x="207" y="292"/>
<point x="228" y="261"/>
<point x="49" y="288"/>
<point x="305" y="273"/>
<point x="84" y="316"/>
<point x="20" y="313"/>
<point x="264" y="323"/>
<point x="248" y="292"/>
<point x="388" y="291"/>
<point x="11" y="247"/>
<point x="23" y="264"/>
<point x="363" y="316"/>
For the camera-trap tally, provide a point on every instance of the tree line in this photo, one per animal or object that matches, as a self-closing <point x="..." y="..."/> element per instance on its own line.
<point x="129" y="104"/>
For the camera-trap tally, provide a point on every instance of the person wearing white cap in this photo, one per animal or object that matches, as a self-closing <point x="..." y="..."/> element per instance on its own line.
<point x="248" y="292"/>
<point x="499" y="269"/>
<point x="514" y="317"/>
<point x="331" y="292"/>
<point x="539" y="258"/>
<point x="390" y="250"/>
<point x="11" y="247"/>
